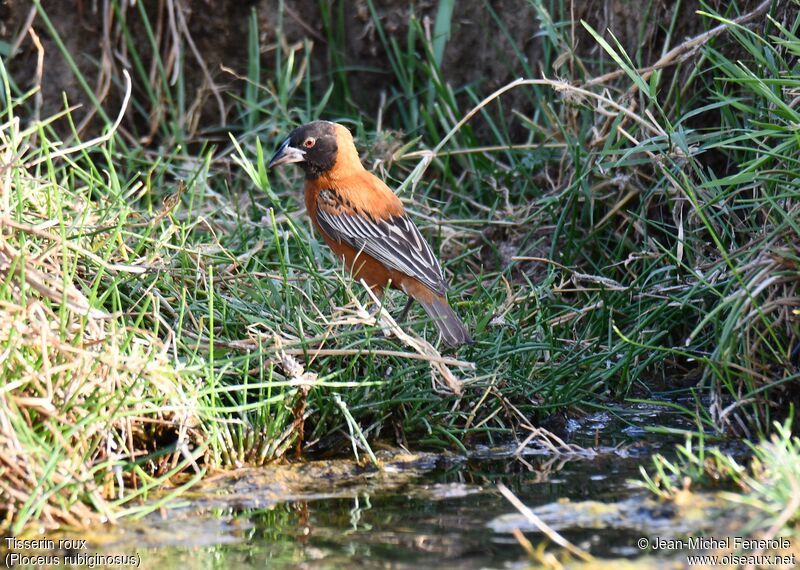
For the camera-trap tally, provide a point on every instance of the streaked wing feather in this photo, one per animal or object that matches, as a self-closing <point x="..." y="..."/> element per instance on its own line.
<point x="395" y="242"/>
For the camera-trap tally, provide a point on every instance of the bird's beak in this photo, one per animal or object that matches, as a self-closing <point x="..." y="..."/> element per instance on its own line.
<point x="286" y="155"/>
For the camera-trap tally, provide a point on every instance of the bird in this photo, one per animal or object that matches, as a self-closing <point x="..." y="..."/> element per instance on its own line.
<point x="366" y="225"/>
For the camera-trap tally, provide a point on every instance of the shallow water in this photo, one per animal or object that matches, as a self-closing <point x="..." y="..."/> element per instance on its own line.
<point x="427" y="510"/>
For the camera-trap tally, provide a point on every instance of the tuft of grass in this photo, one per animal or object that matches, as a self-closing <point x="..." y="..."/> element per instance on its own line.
<point x="769" y="486"/>
<point x="88" y="386"/>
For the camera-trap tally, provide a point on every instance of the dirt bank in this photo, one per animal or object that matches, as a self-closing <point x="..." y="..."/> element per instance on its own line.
<point x="490" y="43"/>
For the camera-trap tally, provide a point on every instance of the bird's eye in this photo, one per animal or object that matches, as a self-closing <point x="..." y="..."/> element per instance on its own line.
<point x="309" y="142"/>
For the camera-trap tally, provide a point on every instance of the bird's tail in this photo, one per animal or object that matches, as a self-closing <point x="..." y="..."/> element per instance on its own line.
<point x="453" y="331"/>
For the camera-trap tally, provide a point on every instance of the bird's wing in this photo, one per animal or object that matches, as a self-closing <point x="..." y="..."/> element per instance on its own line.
<point x="394" y="241"/>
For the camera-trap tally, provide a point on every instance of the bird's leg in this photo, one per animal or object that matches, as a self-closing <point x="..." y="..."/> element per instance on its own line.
<point x="406" y="310"/>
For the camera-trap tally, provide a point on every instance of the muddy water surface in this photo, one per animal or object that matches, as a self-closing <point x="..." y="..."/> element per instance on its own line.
<point x="434" y="510"/>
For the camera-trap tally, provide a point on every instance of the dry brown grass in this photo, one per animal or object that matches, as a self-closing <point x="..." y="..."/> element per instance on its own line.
<point x="83" y="394"/>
